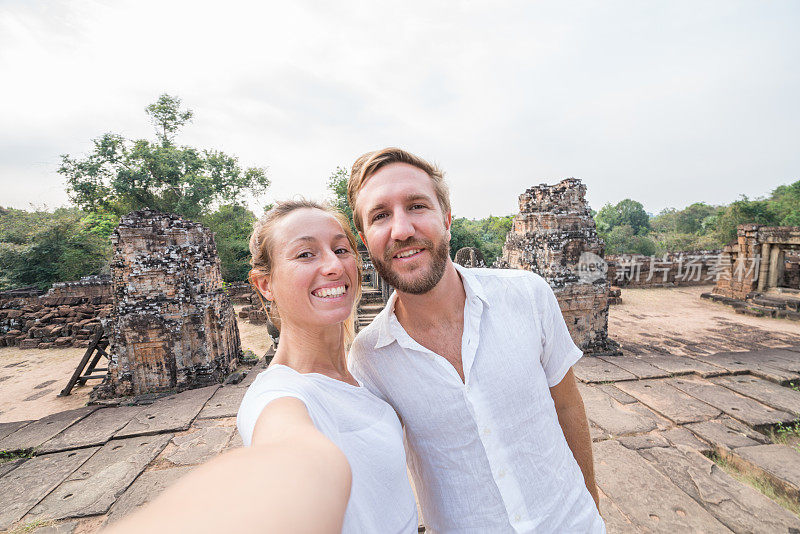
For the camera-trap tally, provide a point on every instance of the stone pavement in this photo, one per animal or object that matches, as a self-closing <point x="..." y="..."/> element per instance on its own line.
<point x="655" y="421"/>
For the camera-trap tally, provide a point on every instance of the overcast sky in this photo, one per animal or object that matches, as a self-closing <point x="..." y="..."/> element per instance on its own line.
<point x="665" y="102"/>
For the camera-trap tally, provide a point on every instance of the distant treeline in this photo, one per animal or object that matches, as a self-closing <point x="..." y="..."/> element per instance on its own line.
<point x="41" y="247"/>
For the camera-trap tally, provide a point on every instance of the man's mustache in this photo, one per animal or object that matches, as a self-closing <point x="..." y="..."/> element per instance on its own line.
<point x="408" y="243"/>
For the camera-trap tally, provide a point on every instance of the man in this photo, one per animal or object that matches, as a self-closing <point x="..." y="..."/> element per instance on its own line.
<point x="477" y="364"/>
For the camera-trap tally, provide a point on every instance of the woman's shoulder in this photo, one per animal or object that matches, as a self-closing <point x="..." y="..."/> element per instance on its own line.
<point x="281" y="378"/>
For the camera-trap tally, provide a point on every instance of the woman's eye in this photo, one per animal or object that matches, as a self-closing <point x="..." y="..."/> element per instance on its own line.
<point x="304" y="255"/>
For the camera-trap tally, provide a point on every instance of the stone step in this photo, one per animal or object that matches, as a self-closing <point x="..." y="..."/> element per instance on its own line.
<point x="93" y="488"/>
<point x="646" y="497"/>
<point x="750" y="412"/>
<point x="29" y="483"/>
<point x="35" y="434"/>
<point x="726" y="434"/>
<point x="614" y="418"/>
<point x="669" y="401"/>
<point x="769" y="393"/>
<point x="734" y="504"/>
<point x="592" y="369"/>
<point x="173" y="413"/>
<point x="779" y="463"/>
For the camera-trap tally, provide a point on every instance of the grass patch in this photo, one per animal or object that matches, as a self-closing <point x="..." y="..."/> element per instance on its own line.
<point x="33" y="525"/>
<point x="786" y="434"/>
<point x="10" y="456"/>
<point x="759" y="483"/>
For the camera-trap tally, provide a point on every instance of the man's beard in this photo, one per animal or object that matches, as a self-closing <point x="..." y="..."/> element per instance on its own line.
<point x="423" y="282"/>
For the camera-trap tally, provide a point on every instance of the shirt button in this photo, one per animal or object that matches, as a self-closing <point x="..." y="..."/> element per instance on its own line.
<point x="517" y="518"/>
<point x="467" y="388"/>
<point x="501" y="473"/>
<point x="487" y="431"/>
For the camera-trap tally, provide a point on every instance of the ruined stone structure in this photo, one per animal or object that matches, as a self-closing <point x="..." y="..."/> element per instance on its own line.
<point x="469" y="257"/>
<point x="669" y="270"/>
<point x="554" y="236"/>
<point x="759" y="271"/>
<point x="66" y="316"/>
<point x="172" y="324"/>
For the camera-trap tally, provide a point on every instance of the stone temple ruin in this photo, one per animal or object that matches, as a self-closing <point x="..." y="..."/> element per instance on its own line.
<point x="760" y="272"/>
<point x="554" y="236"/>
<point x="172" y="325"/>
<point x="469" y="257"/>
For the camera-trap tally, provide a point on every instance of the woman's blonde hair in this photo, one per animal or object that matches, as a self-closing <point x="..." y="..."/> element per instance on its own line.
<point x="262" y="254"/>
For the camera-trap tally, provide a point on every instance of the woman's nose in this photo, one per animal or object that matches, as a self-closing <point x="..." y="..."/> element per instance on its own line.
<point x="332" y="264"/>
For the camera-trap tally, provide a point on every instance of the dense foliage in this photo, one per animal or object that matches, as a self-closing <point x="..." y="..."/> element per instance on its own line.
<point x="120" y="176"/>
<point x="699" y="226"/>
<point x="38" y="247"/>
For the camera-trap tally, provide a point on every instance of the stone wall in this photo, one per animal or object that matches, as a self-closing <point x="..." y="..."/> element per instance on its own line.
<point x="172" y="324"/>
<point x="670" y="270"/>
<point x="554" y="235"/>
<point x="66" y="316"/>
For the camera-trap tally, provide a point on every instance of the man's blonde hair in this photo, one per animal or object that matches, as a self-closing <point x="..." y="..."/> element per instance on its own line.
<point x="369" y="163"/>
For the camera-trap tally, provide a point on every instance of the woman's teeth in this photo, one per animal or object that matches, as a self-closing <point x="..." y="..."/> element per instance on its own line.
<point x="408" y="253"/>
<point x="329" y="292"/>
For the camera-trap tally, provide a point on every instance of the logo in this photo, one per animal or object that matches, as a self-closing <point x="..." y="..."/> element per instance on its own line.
<point x="591" y="268"/>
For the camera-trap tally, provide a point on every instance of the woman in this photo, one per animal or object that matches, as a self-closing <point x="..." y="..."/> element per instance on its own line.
<point x="322" y="453"/>
<point x="305" y="262"/>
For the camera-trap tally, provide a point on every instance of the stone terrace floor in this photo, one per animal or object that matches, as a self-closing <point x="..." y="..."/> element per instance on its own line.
<point x="696" y="380"/>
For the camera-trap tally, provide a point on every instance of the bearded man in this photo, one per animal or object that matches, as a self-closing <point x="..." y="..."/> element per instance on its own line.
<point x="476" y="362"/>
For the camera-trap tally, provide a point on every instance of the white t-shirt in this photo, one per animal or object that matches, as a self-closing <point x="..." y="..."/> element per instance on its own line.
<point x="487" y="455"/>
<point x="367" y="431"/>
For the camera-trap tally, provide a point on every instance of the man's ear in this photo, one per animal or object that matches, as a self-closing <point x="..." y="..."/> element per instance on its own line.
<point x="264" y="286"/>
<point x="448" y="223"/>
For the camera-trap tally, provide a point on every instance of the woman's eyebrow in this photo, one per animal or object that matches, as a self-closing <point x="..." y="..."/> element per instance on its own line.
<point x="305" y="238"/>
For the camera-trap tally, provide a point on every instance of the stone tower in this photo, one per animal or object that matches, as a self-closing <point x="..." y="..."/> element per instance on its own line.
<point x="172" y="325"/>
<point x="554" y="236"/>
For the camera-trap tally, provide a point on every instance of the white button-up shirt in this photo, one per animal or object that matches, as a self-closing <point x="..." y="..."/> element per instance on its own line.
<point x="488" y="454"/>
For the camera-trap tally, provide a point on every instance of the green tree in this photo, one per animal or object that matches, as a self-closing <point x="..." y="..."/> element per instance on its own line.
<point x="121" y="175"/>
<point x="743" y="211"/>
<point x="690" y="219"/>
<point x="622" y="239"/>
<point x="487" y="235"/>
<point x="63" y="246"/>
<point x="626" y="212"/>
<point x="784" y="203"/>
<point x="337" y="186"/>
<point x="232" y="225"/>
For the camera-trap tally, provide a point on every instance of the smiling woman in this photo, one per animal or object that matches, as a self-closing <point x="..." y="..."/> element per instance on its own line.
<point x="322" y="453"/>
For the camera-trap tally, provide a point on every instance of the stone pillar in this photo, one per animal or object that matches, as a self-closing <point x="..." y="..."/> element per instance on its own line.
<point x="763" y="268"/>
<point x="775" y="266"/>
<point x="554" y="235"/>
<point x="172" y="325"/>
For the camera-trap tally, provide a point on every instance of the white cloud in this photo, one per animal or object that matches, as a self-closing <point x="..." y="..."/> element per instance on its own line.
<point x="664" y="103"/>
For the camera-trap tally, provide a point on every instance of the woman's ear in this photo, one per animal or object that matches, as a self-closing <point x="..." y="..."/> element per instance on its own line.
<point x="264" y="286"/>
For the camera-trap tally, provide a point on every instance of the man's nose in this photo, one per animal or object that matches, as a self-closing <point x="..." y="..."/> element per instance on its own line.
<point x="402" y="228"/>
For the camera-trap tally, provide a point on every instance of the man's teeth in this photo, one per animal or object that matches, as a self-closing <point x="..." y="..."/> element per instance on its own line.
<point x="330" y="292"/>
<point x="408" y="253"/>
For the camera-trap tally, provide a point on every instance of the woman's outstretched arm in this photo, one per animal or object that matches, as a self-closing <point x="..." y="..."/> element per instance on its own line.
<point x="292" y="479"/>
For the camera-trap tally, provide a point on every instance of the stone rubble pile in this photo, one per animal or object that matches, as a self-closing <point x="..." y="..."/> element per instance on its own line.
<point x="66" y="316"/>
<point x="172" y="325"/>
<point x="554" y="235"/>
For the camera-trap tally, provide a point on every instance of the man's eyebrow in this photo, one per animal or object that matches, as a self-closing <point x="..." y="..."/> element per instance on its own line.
<point x="417" y="196"/>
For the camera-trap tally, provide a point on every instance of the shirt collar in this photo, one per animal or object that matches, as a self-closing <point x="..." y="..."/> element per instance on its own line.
<point x="472" y="288"/>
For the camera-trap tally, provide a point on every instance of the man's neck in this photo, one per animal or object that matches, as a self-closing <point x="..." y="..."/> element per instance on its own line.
<point x="444" y="304"/>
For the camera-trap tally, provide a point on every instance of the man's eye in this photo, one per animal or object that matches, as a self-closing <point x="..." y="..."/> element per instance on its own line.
<point x="418" y="206"/>
<point x="342" y="250"/>
<point x="378" y="216"/>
